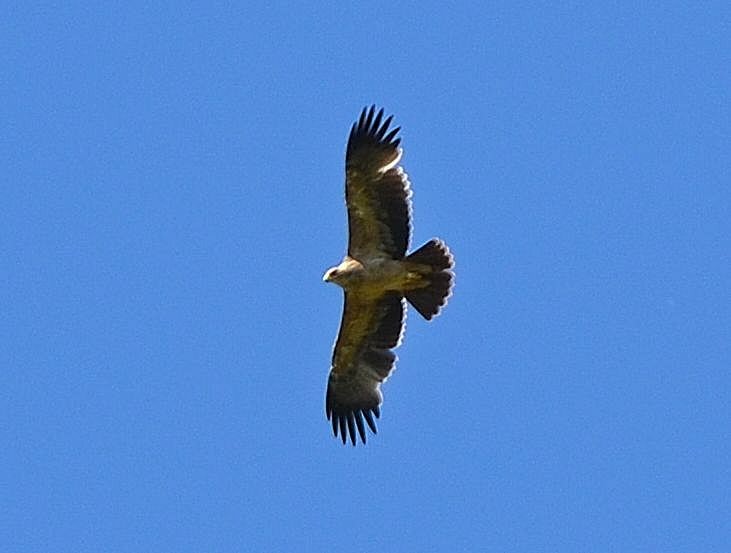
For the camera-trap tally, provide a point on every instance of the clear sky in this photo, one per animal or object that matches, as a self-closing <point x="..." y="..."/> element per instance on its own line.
<point x="172" y="192"/>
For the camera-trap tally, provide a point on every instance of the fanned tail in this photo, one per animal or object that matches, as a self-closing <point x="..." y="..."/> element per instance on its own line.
<point x="436" y="262"/>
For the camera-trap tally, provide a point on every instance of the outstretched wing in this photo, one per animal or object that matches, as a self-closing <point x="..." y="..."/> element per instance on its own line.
<point x="377" y="190"/>
<point x="361" y="361"/>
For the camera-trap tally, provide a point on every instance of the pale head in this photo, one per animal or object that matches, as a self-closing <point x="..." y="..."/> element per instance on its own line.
<point x="344" y="272"/>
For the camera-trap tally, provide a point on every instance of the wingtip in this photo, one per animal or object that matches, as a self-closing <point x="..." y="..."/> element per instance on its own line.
<point x="369" y="117"/>
<point x="359" y="424"/>
<point x="369" y="421"/>
<point x="352" y="425"/>
<point x="372" y="123"/>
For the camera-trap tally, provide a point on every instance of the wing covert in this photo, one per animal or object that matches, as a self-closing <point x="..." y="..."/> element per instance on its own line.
<point x="362" y="360"/>
<point x="377" y="190"/>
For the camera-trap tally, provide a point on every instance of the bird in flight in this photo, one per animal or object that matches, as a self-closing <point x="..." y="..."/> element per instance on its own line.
<point x="377" y="276"/>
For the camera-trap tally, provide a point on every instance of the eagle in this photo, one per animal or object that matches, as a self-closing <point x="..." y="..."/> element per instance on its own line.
<point x="377" y="276"/>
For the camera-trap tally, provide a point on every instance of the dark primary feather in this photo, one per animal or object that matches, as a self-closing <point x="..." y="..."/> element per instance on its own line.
<point x="361" y="361"/>
<point x="379" y="204"/>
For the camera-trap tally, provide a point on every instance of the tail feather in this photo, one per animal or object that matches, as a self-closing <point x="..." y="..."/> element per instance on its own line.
<point x="429" y="299"/>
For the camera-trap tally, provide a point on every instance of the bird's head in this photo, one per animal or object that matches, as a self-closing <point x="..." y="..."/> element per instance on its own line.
<point x="346" y="272"/>
<point x="331" y="275"/>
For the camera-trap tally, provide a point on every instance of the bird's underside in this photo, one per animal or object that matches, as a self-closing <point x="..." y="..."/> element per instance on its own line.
<point x="377" y="276"/>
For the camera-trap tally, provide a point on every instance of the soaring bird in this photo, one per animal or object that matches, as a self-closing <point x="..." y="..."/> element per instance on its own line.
<point x="377" y="276"/>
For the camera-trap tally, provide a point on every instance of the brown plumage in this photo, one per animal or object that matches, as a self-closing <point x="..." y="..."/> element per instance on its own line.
<point x="377" y="276"/>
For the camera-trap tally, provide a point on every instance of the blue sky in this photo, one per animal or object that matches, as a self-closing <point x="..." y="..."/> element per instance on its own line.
<point x="172" y="193"/>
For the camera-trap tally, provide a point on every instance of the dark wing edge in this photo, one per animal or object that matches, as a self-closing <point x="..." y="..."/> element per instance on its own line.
<point x="362" y="360"/>
<point x="368" y="134"/>
<point x="377" y="190"/>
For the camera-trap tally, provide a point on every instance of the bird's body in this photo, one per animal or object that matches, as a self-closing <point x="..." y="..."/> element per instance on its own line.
<point x="377" y="276"/>
<point x="371" y="277"/>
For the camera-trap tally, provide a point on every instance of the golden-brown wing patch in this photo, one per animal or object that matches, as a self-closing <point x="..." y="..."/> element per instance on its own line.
<point x="362" y="359"/>
<point x="377" y="190"/>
